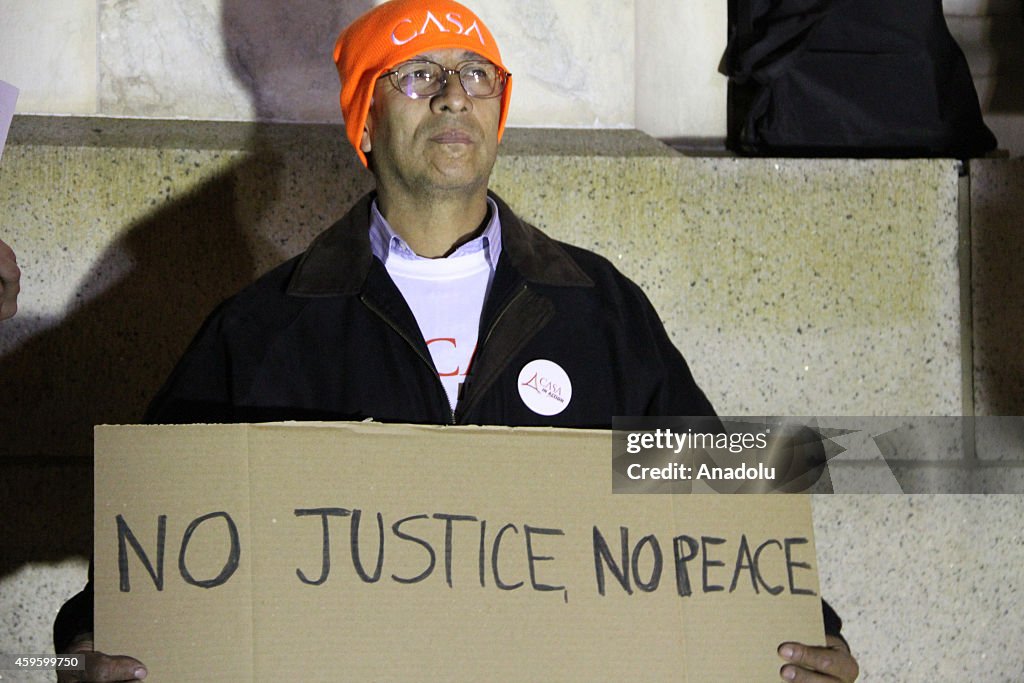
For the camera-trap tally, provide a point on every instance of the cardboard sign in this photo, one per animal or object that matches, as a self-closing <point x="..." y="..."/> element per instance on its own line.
<point x="362" y="551"/>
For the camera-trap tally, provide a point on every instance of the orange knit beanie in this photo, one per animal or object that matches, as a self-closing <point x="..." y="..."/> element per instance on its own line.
<point x="398" y="30"/>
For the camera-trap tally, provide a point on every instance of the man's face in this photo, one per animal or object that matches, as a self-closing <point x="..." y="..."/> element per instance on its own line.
<point x="433" y="145"/>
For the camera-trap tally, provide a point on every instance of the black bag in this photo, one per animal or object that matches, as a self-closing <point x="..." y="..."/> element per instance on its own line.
<point x="849" y="78"/>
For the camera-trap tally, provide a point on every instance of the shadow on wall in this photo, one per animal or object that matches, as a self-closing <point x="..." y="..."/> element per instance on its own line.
<point x="997" y="213"/>
<point x="148" y="293"/>
<point x="1007" y="34"/>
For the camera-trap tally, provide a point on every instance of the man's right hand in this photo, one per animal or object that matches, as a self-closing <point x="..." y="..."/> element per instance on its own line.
<point x="10" y="281"/>
<point x="100" y="667"/>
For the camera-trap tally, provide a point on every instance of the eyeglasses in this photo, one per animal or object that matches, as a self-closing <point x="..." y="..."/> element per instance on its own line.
<point x="424" y="78"/>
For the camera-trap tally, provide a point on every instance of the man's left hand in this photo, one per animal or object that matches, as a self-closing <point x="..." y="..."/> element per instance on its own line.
<point x="808" y="664"/>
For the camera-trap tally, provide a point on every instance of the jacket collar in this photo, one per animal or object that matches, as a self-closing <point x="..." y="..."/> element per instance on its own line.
<point x="339" y="259"/>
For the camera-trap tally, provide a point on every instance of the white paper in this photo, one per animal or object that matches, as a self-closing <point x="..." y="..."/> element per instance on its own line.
<point x="8" y="98"/>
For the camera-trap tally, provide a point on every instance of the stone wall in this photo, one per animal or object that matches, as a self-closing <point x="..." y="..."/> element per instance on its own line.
<point x="826" y="287"/>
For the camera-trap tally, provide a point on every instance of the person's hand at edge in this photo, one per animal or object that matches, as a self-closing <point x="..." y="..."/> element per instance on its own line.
<point x="809" y="664"/>
<point x="10" y="281"/>
<point x="100" y="667"/>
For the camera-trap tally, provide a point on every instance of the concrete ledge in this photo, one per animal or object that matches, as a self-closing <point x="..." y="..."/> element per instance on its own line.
<point x="252" y="136"/>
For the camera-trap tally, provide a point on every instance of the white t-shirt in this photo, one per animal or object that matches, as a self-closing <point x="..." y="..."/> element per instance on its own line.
<point x="446" y="296"/>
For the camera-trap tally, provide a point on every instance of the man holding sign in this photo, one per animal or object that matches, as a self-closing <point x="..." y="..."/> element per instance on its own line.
<point x="431" y="301"/>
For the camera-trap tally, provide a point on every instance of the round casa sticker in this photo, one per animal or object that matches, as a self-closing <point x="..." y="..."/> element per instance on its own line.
<point x="544" y="387"/>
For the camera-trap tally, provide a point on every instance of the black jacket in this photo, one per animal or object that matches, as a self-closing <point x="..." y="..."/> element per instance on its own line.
<point x="327" y="335"/>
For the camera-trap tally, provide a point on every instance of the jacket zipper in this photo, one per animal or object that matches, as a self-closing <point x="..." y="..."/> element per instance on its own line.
<point x="501" y="313"/>
<point x="490" y="330"/>
<point x="412" y="344"/>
